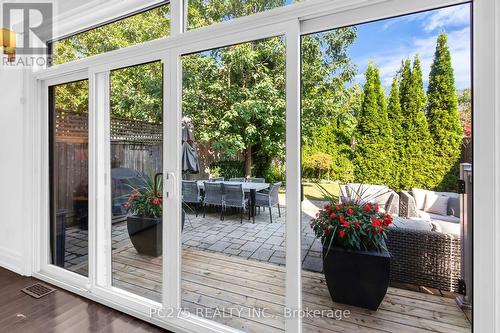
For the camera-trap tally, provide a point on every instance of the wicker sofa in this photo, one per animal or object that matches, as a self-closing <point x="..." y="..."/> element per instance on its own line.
<point x="430" y="256"/>
<point x="425" y="258"/>
<point x="447" y="221"/>
<point x="420" y="254"/>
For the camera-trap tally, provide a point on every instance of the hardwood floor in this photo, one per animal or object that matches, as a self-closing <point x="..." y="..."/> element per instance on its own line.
<point x="213" y="281"/>
<point x="60" y="311"/>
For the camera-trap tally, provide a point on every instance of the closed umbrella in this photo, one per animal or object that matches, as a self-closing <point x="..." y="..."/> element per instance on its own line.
<point x="190" y="163"/>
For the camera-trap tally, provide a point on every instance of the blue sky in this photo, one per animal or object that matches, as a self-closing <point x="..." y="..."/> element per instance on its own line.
<point x="389" y="41"/>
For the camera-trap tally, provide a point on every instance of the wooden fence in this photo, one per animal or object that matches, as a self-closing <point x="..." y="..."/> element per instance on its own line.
<point x="135" y="145"/>
<point x="143" y="158"/>
<point x="70" y="174"/>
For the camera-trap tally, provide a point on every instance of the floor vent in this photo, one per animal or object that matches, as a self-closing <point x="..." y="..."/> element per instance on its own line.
<point x="38" y="290"/>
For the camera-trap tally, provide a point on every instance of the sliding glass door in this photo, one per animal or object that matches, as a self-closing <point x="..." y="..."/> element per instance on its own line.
<point x="233" y="190"/>
<point x="386" y="128"/>
<point x="175" y="176"/>
<point x="69" y="176"/>
<point x="136" y="164"/>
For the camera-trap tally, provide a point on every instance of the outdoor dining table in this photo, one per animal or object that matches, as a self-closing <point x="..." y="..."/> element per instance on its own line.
<point x="251" y="188"/>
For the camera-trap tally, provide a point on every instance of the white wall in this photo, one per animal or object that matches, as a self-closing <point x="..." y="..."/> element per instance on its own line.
<point x="12" y="207"/>
<point x="16" y="156"/>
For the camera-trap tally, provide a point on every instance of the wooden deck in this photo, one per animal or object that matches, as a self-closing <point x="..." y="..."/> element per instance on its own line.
<point x="211" y="280"/>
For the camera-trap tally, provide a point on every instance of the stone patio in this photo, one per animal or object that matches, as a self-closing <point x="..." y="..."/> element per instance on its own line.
<point x="262" y="240"/>
<point x="76" y="254"/>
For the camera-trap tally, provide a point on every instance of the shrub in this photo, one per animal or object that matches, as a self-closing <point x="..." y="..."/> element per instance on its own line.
<point x="396" y="120"/>
<point x="317" y="165"/>
<point x="418" y="159"/>
<point x="215" y="171"/>
<point x="342" y="169"/>
<point x="444" y="121"/>
<point x="373" y="152"/>
<point x="227" y="169"/>
<point x="275" y="173"/>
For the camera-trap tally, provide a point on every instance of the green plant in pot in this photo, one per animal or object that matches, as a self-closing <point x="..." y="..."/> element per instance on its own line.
<point x="356" y="262"/>
<point x="144" y="221"/>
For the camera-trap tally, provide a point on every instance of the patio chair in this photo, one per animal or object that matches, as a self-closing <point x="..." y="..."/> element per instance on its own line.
<point x="217" y="179"/>
<point x="242" y="179"/>
<point x="269" y="199"/>
<point x="213" y="196"/>
<point x="234" y="196"/>
<point x="256" y="180"/>
<point x="191" y="193"/>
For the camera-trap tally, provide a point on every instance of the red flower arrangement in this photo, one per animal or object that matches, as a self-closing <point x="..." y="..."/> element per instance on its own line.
<point x="146" y="204"/>
<point x="352" y="225"/>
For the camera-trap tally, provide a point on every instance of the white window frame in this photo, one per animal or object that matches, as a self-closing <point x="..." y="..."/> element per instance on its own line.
<point x="43" y="259"/>
<point x="291" y="21"/>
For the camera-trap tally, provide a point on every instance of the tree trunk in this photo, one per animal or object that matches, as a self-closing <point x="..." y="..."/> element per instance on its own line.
<point x="248" y="161"/>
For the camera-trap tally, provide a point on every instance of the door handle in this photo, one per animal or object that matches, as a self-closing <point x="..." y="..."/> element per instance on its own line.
<point x="172" y="185"/>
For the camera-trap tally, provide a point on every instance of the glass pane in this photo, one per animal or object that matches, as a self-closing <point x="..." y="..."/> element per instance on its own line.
<point x="386" y="111"/>
<point x="149" y="25"/>
<point x="68" y="109"/>
<point x="136" y="187"/>
<point x="202" y="13"/>
<point x="233" y="192"/>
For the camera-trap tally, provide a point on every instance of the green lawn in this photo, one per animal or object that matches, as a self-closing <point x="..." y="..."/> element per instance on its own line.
<point x="313" y="192"/>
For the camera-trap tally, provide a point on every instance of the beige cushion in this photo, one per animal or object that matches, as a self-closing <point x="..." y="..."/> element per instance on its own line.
<point x="445" y="218"/>
<point x="447" y="224"/>
<point x="448" y="227"/>
<point x="415" y="224"/>
<point x="419" y="195"/>
<point x="424" y="215"/>
<point x="436" y="204"/>
<point x="368" y="192"/>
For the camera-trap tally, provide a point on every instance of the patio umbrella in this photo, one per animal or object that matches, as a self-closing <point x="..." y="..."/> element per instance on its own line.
<point x="190" y="163"/>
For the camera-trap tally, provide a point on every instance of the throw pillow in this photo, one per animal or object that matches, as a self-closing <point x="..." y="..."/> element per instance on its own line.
<point x="454" y="207"/>
<point x="436" y="204"/>
<point x="419" y="196"/>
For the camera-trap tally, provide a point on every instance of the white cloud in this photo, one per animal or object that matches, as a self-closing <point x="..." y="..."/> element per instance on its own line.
<point x="403" y="19"/>
<point x="389" y="61"/>
<point x="447" y="17"/>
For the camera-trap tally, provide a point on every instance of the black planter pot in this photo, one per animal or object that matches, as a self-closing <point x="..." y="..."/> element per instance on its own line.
<point x="358" y="278"/>
<point x="146" y="234"/>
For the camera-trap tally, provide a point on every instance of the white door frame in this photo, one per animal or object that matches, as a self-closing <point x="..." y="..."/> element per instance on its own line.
<point x="43" y="256"/>
<point x="315" y="15"/>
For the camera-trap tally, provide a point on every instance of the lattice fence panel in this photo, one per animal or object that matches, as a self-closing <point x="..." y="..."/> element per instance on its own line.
<point x="73" y="127"/>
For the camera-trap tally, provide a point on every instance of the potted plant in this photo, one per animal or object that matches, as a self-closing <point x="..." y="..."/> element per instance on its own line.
<point x="356" y="262"/>
<point x="144" y="221"/>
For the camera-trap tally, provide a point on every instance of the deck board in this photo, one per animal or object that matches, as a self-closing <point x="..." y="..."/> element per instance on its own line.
<point x="213" y="281"/>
